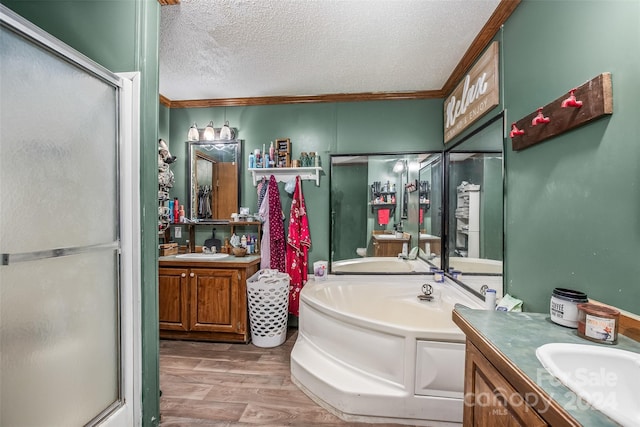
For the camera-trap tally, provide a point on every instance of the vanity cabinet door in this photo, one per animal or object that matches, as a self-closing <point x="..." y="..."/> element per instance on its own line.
<point x="214" y="295"/>
<point x="388" y="248"/>
<point x="173" y="299"/>
<point x="490" y="400"/>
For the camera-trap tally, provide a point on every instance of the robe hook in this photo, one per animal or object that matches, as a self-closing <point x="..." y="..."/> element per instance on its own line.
<point x="571" y="100"/>
<point x="515" y="131"/>
<point x="540" y="118"/>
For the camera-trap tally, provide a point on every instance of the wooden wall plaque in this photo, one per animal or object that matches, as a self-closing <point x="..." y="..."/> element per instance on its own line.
<point x="474" y="96"/>
<point x="283" y="150"/>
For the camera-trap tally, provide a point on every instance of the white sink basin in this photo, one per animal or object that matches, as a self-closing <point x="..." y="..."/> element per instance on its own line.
<point x="607" y="378"/>
<point x="202" y="256"/>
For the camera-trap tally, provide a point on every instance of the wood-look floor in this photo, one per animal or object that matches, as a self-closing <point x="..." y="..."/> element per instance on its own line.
<point x="233" y="385"/>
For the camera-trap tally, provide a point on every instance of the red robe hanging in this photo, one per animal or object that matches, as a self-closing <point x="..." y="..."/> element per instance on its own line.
<point x="298" y="244"/>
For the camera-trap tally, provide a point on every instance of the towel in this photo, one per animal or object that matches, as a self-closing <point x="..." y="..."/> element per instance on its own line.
<point x="298" y="244"/>
<point x="276" y="228"/>
<point x="421" y="216"/>
<point x="383" y="216"/>
<point x="265" y="243"/>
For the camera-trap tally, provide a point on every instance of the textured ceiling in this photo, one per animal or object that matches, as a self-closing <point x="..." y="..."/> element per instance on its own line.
<point x="256" y="48"/>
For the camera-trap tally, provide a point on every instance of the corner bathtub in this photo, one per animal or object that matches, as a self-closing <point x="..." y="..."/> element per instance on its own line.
<point x="368" y="350"/>
<point x="379" y="265"/>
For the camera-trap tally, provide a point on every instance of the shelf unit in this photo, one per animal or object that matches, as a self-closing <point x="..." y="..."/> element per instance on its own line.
<point x="191" y="226"/>
<point x="285" y="174"/>
<point x="468" y="220"/>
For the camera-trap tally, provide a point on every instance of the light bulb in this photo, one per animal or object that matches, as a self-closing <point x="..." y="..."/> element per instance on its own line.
<point x="209" y="132"/>
<point x="193" y="134"/>
<point x="225" y="131"/>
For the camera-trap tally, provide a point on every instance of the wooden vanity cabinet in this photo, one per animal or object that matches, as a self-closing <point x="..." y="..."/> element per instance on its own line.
<point x="498" y="393"/>
<point x="490" y="400"/>
<point x="390" y="247"/>
<point x="204" y="301"/>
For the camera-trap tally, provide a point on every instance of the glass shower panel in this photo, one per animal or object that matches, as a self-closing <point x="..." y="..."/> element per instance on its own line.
<point x="59" y="152"/>
<point x="59" y="339"/>
<point x="59" y="315"/>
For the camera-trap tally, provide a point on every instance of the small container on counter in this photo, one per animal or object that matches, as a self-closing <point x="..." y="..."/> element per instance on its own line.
<point x="438" y="276"/>
<point x="490" y="299"/>
<point x="564" y="306"/>
<point x="598" y="323"/>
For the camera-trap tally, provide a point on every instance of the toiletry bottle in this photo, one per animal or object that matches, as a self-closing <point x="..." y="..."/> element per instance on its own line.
<point x="181" y="213"/>
<point x="257" y="157"/>
<point x="272" y="151"/>
<point x="252" y="161"/>
<point x="266" y="161"/>
<point x="243" y="241"/>
<point x="171" y="211"/>
<point x="176" y="210"/>
<point x="490" y="299"/>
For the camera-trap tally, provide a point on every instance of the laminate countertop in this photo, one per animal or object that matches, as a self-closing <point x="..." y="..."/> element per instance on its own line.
<point x="516" y="336"/>
<point x="231" y="261"/>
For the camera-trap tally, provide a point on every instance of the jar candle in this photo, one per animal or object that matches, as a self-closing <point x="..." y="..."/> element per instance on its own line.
<point x="564" y="306"/>
<point x="598" y="323"/>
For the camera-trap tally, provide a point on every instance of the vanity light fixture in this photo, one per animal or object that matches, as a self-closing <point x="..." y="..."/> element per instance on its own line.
<point x="209" y="132"/>
<point x="193" y="134"/>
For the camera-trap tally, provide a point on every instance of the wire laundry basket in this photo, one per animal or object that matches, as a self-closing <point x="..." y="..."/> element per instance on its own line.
<point x="268" y="300"/>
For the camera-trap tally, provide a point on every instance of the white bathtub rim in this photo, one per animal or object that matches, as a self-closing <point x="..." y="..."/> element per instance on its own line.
<point x="418" y="266"/>
<point x="452" y="332"/>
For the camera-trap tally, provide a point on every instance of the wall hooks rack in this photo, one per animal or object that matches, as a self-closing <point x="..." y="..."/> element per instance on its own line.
<point x="596" y="101"/>
<point x="515" y="131"/>
<point x="571" y="101"/>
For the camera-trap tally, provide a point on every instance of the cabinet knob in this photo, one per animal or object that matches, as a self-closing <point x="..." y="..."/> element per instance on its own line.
<point x="192" y="274"/>
<point x="183" y="275"/>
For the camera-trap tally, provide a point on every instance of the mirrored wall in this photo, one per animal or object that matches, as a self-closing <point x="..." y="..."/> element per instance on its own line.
<point x="473" y="208"/>
<point x="379" y="209"/>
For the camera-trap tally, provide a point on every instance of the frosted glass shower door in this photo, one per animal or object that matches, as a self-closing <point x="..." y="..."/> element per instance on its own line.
<point x="65" y="270"/>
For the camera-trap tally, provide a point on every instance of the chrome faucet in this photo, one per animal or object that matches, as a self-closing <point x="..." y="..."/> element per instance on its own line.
<point x="483" y="289"/>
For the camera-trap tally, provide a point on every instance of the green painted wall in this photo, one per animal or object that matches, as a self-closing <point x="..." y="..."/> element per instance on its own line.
<point x="350" y="204"/>
<point x="355" y="127"/>
<point x="572" y="202"/>
<point x="122" y="36"/>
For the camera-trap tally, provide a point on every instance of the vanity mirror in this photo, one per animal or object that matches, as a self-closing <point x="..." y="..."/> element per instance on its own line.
<point x="214" y="171"/>
<point x="374" y="210"/>
<point x="473" y="205"/>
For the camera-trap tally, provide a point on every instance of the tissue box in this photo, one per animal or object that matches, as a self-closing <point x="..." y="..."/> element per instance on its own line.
<point x="320" y="270"/>
<point x="168" y="249"/>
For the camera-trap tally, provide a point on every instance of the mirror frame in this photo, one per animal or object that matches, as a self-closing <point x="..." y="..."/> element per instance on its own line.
<point x="432" y="190"/>
<point x="191" y="170"/>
